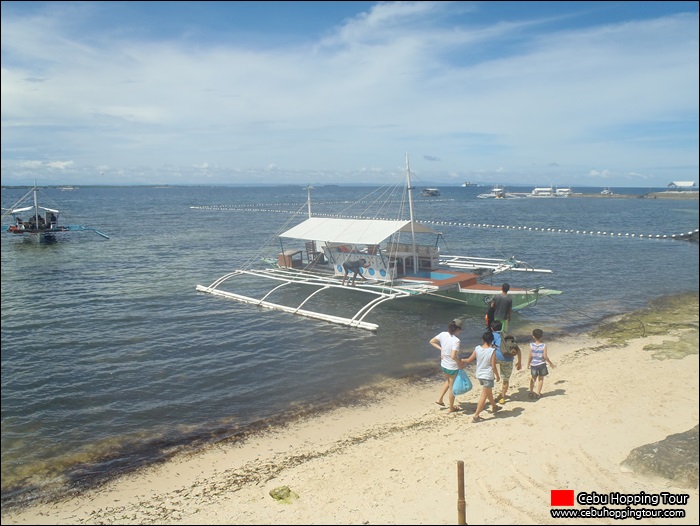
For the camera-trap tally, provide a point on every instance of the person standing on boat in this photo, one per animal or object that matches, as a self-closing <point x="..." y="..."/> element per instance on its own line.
<point x="503" y="307"/>
<point x="448" y="343"/>
<point x="354" y="267"/>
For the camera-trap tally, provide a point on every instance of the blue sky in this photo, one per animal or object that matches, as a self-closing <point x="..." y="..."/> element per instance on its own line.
<point x="540" y="93"/>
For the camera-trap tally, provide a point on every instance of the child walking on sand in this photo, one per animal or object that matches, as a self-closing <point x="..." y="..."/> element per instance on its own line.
<point x="447" y="342"/>
<point x="485" y="356"/>
<point x="537" y="362"/>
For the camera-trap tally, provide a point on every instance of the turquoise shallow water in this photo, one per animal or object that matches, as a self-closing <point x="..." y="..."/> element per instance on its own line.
<point x="111" y="359"/>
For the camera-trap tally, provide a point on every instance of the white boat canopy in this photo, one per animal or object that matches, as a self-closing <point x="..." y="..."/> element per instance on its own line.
<point x="28" y="208"/>
<point x="352" y="231"/>
<point x="18" y="210"/>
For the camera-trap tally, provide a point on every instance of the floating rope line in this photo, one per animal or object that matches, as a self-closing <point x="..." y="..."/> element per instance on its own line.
<point x="692" y="235"/>
<point x="689" y="235"/>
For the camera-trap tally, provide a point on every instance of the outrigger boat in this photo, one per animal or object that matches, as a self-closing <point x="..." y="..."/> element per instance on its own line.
<point x="393" y="265"/>
<point x="41" y="222"/>
<point x="499" y="192"/>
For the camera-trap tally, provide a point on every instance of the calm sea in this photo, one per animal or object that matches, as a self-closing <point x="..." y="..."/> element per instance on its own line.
<point x="111" y="359"/>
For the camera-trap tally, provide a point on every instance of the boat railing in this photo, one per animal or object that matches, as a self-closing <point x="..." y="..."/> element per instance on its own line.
<point x="492" y="265"/>
<point x="428" y="256"/>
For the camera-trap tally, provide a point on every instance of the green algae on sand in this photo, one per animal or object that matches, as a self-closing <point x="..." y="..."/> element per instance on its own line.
<point x="671" y="315"/>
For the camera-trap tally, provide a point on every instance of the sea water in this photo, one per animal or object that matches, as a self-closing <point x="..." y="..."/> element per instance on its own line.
<point x="112" y="360"/>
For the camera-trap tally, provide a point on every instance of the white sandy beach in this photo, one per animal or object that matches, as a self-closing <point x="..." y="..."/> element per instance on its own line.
<point x="395" y="461"/>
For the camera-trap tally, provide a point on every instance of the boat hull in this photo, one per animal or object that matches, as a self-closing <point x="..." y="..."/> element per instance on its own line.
<point x="482" y="298"/>
<point x="34" y="236"/>
<point x="449" y="286"/>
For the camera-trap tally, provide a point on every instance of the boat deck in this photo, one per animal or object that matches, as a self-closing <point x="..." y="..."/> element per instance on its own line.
<point x="442" y="279"/>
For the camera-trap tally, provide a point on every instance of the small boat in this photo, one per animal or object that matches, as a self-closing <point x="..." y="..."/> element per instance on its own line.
<point x="550" y="191"/>
<point x="40" y="223"/>
<point x="430" y="192"/>
<point x="543" y="192"/>
<point x="389" y="256"/>
<point x="468" y="183"/>
<point x="497" y="192"/>
<point x="606" y="191"/>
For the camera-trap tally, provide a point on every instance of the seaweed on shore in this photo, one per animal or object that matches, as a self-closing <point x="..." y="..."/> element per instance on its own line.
<point x="661" y="317"/>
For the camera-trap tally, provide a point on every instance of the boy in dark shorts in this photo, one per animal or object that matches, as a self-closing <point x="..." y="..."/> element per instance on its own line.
<point x="537" y="362"/>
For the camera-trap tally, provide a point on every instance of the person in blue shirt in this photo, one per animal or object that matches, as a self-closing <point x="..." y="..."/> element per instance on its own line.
<point x="504" y="361"/>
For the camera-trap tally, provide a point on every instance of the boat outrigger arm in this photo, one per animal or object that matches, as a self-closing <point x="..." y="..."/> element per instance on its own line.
<point x="322" y="284"/>
<point x="495" y="265"/>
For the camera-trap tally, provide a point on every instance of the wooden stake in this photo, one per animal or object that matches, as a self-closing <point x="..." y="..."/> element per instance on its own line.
<point x="461" y="504"/>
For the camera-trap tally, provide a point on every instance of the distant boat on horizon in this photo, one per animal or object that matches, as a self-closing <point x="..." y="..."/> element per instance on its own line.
<point x="550" y="191"/>
<point x="468" y="183"/>
<point x="498" y="192"/>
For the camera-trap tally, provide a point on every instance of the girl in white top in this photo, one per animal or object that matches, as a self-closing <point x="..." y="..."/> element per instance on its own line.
<point x="448" y="344"/>
<point x="485" y="356"/>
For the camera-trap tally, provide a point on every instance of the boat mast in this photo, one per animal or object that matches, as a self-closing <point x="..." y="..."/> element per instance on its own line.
<point x="36" y="209"/>
<point x="308" y="206"/>
<point x="410" y="209"/>
<point x="308" y="198"/>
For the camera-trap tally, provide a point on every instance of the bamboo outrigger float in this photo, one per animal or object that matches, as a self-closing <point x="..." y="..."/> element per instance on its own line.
<point x="391" y="268"/>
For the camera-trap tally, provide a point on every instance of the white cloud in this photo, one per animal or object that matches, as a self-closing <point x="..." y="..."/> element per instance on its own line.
<point x="463" y="98"/>
<point x="59" y="165"/>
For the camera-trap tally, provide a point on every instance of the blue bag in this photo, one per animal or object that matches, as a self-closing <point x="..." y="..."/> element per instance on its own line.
<point x="462" y="383"/>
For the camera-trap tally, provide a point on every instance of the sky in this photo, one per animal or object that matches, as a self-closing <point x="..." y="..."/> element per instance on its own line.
<point x="587" y="94"/>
